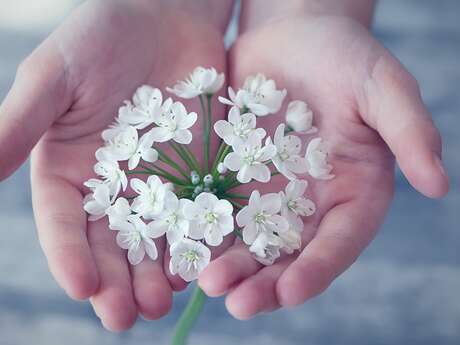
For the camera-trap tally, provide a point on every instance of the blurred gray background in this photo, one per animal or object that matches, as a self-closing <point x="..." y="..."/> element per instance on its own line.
<point x="403" y="290"/>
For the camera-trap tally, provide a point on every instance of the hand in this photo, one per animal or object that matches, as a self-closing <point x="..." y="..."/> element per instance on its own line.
<point x="65" y="93"/>
<point x="368" y="107"/>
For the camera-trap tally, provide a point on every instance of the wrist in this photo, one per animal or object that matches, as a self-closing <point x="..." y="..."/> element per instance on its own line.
<point x="256" y="13"/>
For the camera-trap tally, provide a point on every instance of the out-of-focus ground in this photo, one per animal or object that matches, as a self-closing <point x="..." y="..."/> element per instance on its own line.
<point x="403" y="290"/>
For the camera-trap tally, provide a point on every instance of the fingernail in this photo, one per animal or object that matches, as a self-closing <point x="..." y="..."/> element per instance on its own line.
<point x="440" y="165"/>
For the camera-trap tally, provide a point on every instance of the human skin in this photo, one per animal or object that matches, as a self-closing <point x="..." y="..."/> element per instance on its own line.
<point x="64" y="94"/>
<point x="366" y="105"/>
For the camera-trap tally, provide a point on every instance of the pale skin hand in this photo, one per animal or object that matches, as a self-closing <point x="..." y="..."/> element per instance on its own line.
<point x="65" y="93"/>
<point x="369" y="108"/>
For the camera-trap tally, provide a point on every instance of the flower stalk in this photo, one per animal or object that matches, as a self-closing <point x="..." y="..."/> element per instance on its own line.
<point x="189" y="317"/>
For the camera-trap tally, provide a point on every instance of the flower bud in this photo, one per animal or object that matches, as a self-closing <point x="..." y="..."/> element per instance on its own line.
<point x="195" y="177"/>
<point x="208" y="180"/>
<point x="299" y="117"/>
<point x="221" y="168"/>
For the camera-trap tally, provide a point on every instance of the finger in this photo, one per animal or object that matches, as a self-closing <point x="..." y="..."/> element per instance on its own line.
<point x="61" y="224"/>
<point x="114" y="301"/>
<point x="38" y="96"/>
<point x="257" y="293"/>
<point x="343" y="234"/>
<point x="152" y="291"/>
<point x="393" y="106"/>
<point x="233" y="266"/>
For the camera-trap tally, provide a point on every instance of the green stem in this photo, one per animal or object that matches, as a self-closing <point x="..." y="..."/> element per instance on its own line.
<point x="182" y="155"/>
<point x="165" y="159"/>
<point x="237" y="196"/>
<point x="192" y="157"/>
<point x="189" y="317"/>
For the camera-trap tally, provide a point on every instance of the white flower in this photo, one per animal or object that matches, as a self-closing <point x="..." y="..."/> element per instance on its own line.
<point x="171" y="221"/>
<point x="258" y="94"/>
<point x="291" y="241"/>
<point x="300" y="118"/>
<point x="127" y="146"/>
<point x="98" y="202"/>
<point x="238" y="127"/>
<point x="200" y="81"/>
<point x="150" y="201"/>
<point x="174" y="123"/>
<point x="249" y="159"/>
<point x="118" y="213"/>
<point x="114" y="129"/>
<point x="135" y="236"/>
<point x="221" y="168"/>
<point x="212" y="218"/>
<point x="188" y="258"/>
<point x="111" y="173"/>
<point x="260" y="216"/>
<point x="266" y="248"/>
<point x="316" y="156"/>
<point x="147" y="100"/>
<point x="238" y="99"/>
<point x="294" y="205"/>
<point x="287" y="159"/>
<point x="263" y="97"/>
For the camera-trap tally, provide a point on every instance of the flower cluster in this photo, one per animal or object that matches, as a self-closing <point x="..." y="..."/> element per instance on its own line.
<point x="193" y="204"/>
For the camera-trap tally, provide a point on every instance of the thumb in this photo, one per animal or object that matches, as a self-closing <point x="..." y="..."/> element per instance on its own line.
<point x="37" y="98"/>
<point x="393" y="106"/>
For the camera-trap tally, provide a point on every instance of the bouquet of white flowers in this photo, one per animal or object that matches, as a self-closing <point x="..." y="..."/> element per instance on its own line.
<point x="194" y="205"/>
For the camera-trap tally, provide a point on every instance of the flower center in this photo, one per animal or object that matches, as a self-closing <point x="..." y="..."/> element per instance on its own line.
<point x="283" y="155"/>
<point x="211" y="217"/>
<point x="260" y="218"/>
<point x="172" y="219"/>
<point x="191" y="256"/>
<point x="135" y="239"/>
<point x="292" y="205"/>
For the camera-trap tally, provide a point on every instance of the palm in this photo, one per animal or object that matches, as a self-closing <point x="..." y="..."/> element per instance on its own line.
<point x="110" y="51"/>
<point x="328" y="70"/>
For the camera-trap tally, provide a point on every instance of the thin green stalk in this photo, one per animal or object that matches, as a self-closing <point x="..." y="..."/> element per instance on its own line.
<point x="218" y="154"/>
<point x="189" y="317"/>
<point x="182" y="155"/>
<point x="192" y="157"/>
<point x="169" y="176"/>
<point x="236" y="204"/>
<point x="165" y="159"/>
<point x="237" y="196"/>
<point x="208" y="133"/>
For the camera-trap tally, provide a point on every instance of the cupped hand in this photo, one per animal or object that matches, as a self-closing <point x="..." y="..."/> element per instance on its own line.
<point x="369" y="109"/>
<point x="65" y="93"/>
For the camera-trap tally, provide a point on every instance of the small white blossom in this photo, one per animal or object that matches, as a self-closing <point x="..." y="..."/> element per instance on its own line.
<point x="238" y="99"/>
<point x="111" y="173"/>
<point x="258" y="94"/>
<point x="118" y="213"/>
<point x="300" y="118"/>
<point x="249" y="158"/>
<point x="316" y="156"/>
<point x="114" y="129"/>
<point x="238" y="127"/>
<point x="147" y="100"/>
<point x="188" y="258"/>
<point x="135" y="236"/>
<point x="97" y="202"/>
<point x="171" y="221"/>
<point x="287" y="159"/>
<point x="127" y="146"/>
<point x="212" y="218"/>
<point x="174" y="123"/>
<point x="294" y="205"/>
<point x="260" y="216"/>
<point x="291" y="241"/>
<point x="266" y="248"/>
<point x="201" y="81"/>
<point x="221" y="168"/>
<point x="150" y="201"/>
